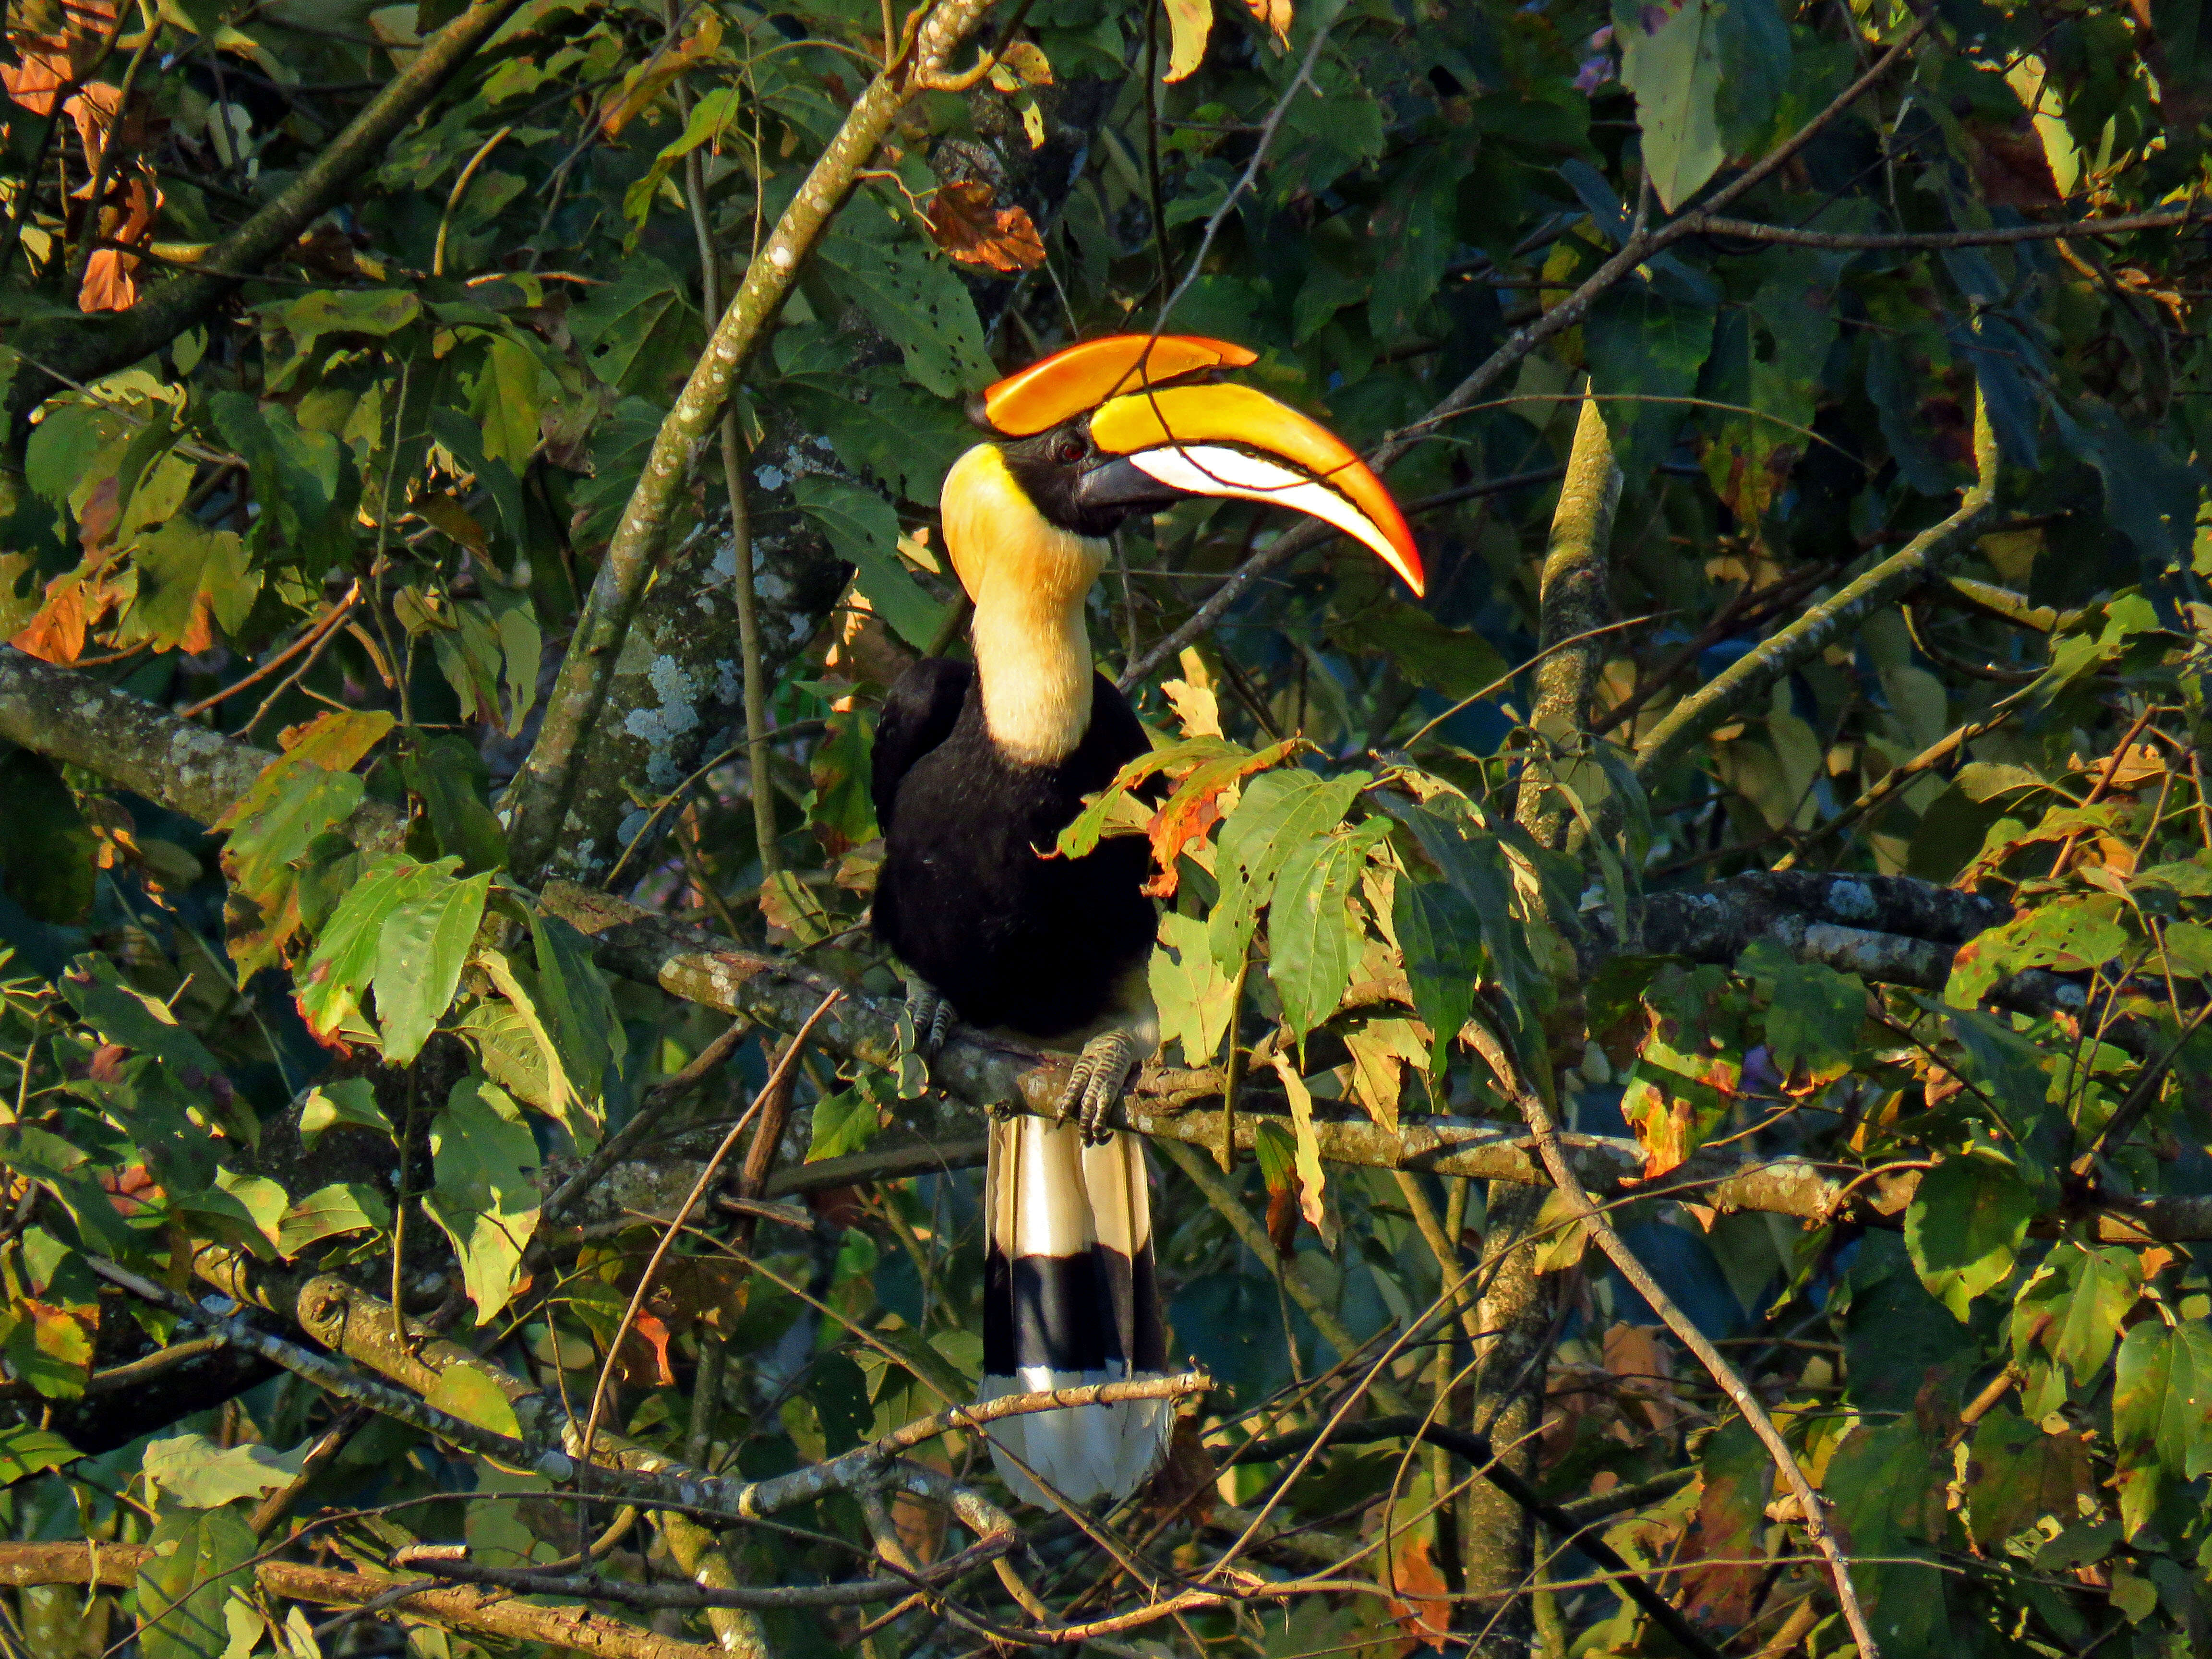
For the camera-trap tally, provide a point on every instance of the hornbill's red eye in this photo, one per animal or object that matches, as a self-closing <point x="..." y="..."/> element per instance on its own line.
<point x="1068" y="450"/>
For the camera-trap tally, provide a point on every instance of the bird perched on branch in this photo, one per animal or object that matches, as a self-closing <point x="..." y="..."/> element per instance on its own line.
<point x="977" y="769"/>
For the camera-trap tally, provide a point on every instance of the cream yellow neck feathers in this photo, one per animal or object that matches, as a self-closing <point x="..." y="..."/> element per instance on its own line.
<point x="1029" y="578"/>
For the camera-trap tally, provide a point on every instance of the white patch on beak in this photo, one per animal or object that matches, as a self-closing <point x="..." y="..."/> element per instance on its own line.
<point x="1212" y="470"/>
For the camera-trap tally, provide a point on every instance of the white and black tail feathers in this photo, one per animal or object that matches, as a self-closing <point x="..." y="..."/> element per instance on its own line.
<point x="1070" y="1299"/>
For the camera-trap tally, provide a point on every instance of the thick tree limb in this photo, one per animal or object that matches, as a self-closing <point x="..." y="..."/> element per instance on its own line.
<point x="85" y="349"/>
<point x="542" y="794"/>
<point x="1575" y="603"/>
<point x="493" y="1613"/>
<point x="184" y="767"/>
<point x="56" y="712"/>
<point x="1746" y="679"/>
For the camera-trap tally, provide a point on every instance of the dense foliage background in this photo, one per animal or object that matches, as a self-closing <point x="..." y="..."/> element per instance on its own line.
<point x="438" y="716"/>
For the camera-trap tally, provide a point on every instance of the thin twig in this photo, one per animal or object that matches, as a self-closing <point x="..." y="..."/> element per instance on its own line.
<point x="1871" y="242"/>
<point x="676" y="1225"/>
<point x="1546" y="1132"/>
<point x="1566" y="314"/>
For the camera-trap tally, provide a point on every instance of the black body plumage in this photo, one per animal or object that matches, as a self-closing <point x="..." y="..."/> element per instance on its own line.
<point x="972" y="895"/>
<point x="974" y="898"/>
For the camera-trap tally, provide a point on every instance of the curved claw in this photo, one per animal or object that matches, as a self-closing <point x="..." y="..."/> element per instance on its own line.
<point x="1101" y="1074"/>
<point x="928" y="1019"/>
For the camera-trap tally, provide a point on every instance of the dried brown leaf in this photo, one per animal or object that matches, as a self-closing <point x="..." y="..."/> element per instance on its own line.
<point x="966" y="223"/>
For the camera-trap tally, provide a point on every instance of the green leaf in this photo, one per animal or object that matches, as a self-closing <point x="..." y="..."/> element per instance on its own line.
<point x="2162" y="1395"/>
<point x="188" y="578"/>
<point x="200" y="1558"/>
<point x="513" y="1052"/>
<point x="1314" y="936"/>
<point x="915" y="298"/>
<point x="638" y="332"/>
<point x="1312" y="1176"/>
<point x="506" y="396"/>
<point x="1440" y="937"/>
<point x="2067" y="933"/>
<point x="1755" y="51"/>
<point x="1814" y="1013"/>
<point x="201" y="1475"/>
<point x="344" y="1100"/>
<point x="48" y="1347"/>
<point x="1670" y="58"/>
<point x="864" y="531"/>
<point x="420" y="952"/>
<point x="2149" y="496"/>
<point x="486" y="1195"/>
<point x="2017" y="1474"/>
<point x="27" y="1451"/>
<point x="64" y="444"/>
<point x="123" y="1014"/>
<point x="332" y="980"/>
<point x="347" y="1207"/>
<point x="448" y="774"/>
<point x="1278" y="813"/>
<point x="1194" y="998"/>
<point x="575" y="1001"/>
<point x="2073" y="1306"/>
<point x="1887" y="1483"/>
<point x="901" y="439"/>
<point x="1414" y="230"/>
<point x="843" y="1123"/>
<point x="1647" y="339"/>
<point x="45" y="851"/>
<point x="374" y="313"/>
<point x="474" y="1397"/>
<point x="1966" y="1221"/>
<point x="1768" y="357"/>
<point x="1474" y="860"/>
<point x="302" y="480"/>
<point x="622" y="444"/>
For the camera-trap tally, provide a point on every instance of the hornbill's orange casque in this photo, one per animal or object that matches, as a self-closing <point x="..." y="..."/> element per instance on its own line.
<point x="978" y="768"/>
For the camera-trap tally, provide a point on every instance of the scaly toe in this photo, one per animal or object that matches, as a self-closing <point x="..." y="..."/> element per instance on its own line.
<point x="1075" y="1097"/>
<point x="928" y="1017"/>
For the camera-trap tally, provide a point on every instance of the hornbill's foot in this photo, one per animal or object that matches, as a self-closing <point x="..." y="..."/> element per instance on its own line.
<point x="1101" y="1074"/>
<point x="927" y="1018"/>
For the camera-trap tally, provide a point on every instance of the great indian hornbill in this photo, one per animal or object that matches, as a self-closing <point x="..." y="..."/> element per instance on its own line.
<point x="977" y="770"/>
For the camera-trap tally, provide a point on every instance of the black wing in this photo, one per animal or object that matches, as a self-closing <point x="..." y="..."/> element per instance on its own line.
<point x="919" y="713"/>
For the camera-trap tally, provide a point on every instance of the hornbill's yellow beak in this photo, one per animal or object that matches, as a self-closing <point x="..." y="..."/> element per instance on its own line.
<point x="1157" y="437"/>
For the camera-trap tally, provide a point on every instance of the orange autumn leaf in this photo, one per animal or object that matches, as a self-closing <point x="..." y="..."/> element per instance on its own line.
<point x="109" y="284"/>
<point x="1419" y="1600"/>
<point x="77" y="601"/>
<point x="1196" y="808"/>
<point x="1276" y="15"/>
<point x="964" y="223"/>
<point x="649" y="1332"/>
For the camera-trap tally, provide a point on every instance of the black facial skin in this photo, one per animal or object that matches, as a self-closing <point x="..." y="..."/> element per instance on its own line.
<point x="1076" y="485"/>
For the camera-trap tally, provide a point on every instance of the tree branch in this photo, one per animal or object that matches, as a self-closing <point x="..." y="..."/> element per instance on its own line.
<point x="1698" y="715"/>
<point x="85" y="349"/>
<point x="1749" y="230"/>
<point x="540" y="796"/>
<point x="494" y="1613"/>
<point x="1576" y="602"/>
<point x="1561" y="1169"/>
